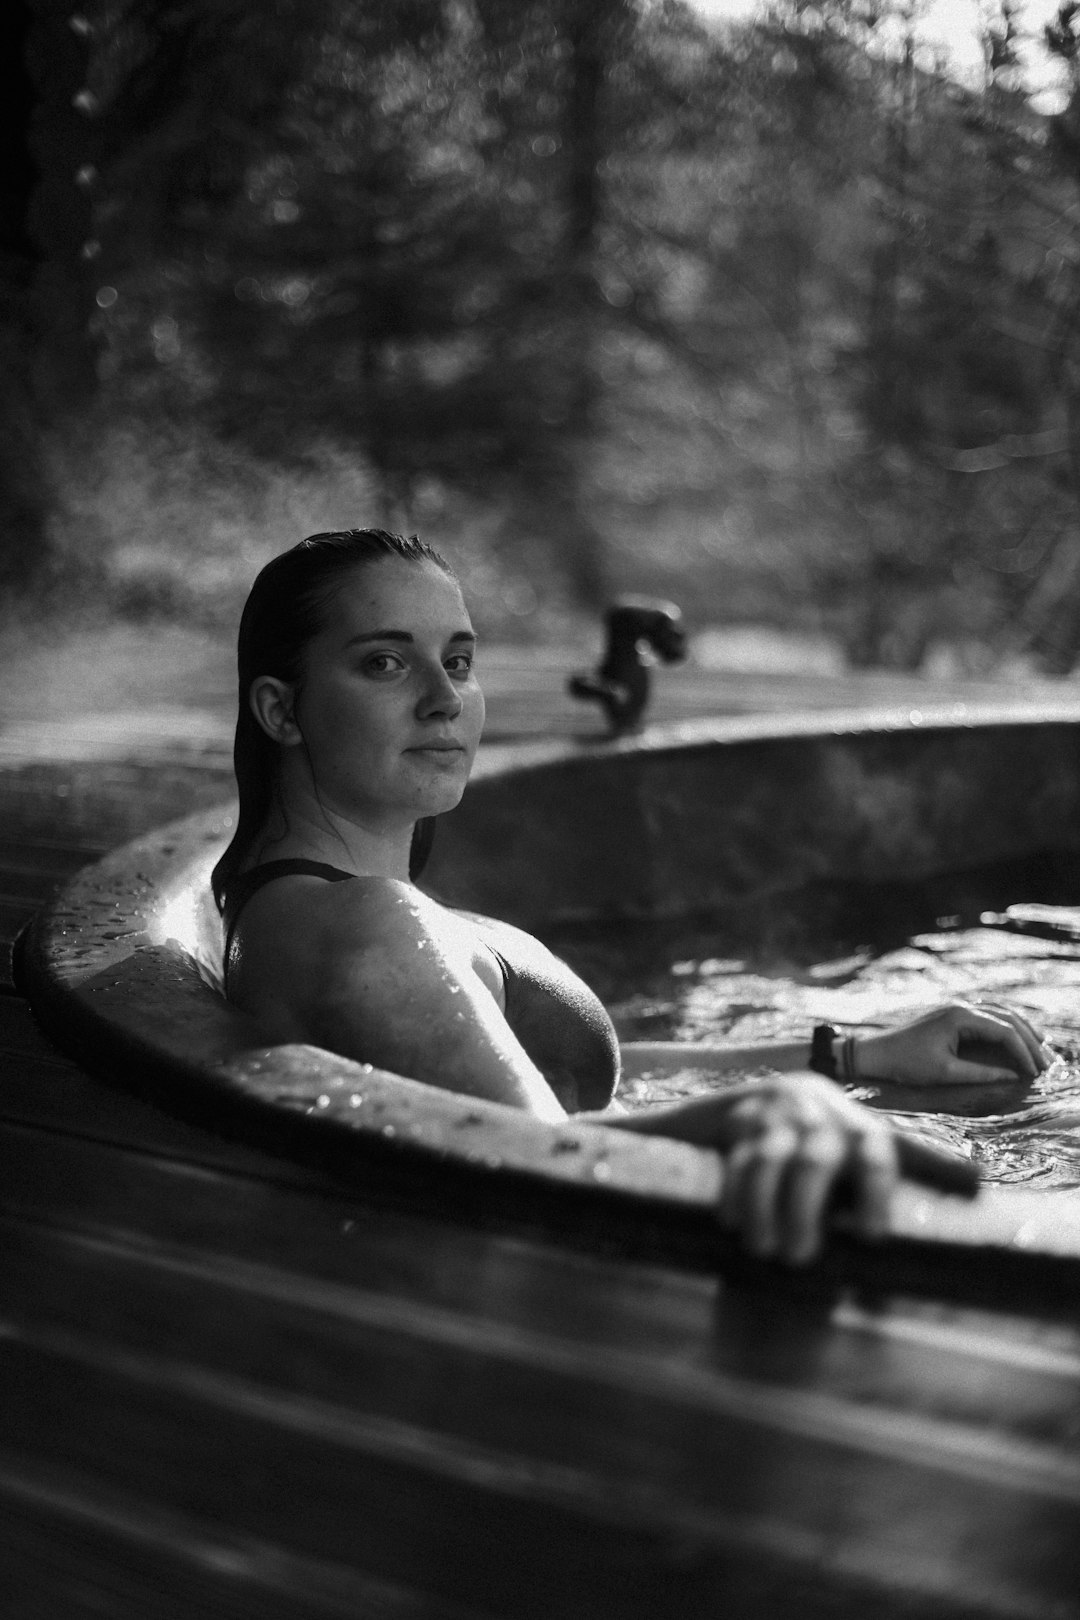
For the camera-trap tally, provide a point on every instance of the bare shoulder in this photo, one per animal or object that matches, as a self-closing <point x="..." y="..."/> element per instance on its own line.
<point x="294" y="934"/>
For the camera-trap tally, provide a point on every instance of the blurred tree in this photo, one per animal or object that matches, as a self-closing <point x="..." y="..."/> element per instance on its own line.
<point x="46" y="356"/>
<point x="610" y="273"/>
<point x="371" y="223"/>
<point x="1052" y="609"/>
<point x="944" y="212"/>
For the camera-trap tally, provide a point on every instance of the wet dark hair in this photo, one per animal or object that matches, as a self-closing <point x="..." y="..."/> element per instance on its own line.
<point x="284" y="611"/>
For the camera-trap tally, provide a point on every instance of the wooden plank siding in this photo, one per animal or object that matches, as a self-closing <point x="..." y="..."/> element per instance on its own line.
<point x="257" y="1389"/>
<point x="232" y="1388"/>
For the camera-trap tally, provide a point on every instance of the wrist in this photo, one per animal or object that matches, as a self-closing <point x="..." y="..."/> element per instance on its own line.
<point x="834" y="1055"/>
<point x="847" y="1061"/>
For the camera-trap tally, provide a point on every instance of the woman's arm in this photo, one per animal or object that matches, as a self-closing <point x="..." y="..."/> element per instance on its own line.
<point x="381" y="975"/>
<point x="961" y="1043"/>
<point x="718" y="1057"/>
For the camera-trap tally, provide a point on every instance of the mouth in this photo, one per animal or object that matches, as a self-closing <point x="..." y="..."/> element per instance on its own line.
<point x="436" y="748"/>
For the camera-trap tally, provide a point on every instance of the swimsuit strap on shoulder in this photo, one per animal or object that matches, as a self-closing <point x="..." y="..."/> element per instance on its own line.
<point x="294" y="868"/>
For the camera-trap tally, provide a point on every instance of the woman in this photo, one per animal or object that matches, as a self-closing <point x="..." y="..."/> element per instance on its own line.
<point x="359" y="717"/>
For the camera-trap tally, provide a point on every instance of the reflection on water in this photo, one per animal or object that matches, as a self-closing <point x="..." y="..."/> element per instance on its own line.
<point x="1037" y="1143"/>
<point x="1017" y="1132"/>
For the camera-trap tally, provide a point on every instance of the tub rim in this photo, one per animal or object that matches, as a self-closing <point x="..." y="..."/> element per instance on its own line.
<point x="132" y="1004"/>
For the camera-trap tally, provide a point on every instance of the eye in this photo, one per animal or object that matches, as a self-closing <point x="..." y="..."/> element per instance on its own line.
<point x="382" y="663"/>
<point x="460" y="664"/>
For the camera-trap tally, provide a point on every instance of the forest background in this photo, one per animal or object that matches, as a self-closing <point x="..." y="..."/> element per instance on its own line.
<point x="775" y="318"/>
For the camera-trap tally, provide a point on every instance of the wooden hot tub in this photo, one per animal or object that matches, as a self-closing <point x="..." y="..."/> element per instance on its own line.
<point x="447" y="1359"/>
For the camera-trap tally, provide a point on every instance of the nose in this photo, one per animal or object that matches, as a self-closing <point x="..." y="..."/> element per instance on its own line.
<point x="440" y="696"/>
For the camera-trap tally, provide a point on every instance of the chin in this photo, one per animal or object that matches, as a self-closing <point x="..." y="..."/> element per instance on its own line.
<point x="436" y="797"/>
<point x="438" y="803"/>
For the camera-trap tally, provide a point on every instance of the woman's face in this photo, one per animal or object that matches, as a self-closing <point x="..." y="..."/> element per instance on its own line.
<point x="389" y="706"/>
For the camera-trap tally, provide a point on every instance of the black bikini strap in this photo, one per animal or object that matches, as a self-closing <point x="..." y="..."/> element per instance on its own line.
<point x="293" y="868"/>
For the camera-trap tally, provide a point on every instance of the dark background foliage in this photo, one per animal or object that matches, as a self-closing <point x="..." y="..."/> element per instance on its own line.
<point x="772" y="318"/>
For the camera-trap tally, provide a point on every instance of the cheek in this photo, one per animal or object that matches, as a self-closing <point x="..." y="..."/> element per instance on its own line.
<point x="344" y="724"/>
<point x="477" y="710"/>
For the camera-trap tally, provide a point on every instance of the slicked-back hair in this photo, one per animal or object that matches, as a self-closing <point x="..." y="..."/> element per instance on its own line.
<point x="284" y="612"/>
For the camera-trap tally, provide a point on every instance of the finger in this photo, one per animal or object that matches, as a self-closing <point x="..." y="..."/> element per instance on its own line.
<point x="759" y="1173"/>
<point x="875" y="1164"/>
<point x="736" y="1167"/>
<point x="980" y="1025"/>
<point x="812" y="1175"/>
<point x="933" y="1166"/>
<point x="1031" y="1037"/>
<point x="962" y="1072"/>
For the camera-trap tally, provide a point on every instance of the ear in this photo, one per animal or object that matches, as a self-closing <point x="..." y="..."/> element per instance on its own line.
<point x="272" y="705"/>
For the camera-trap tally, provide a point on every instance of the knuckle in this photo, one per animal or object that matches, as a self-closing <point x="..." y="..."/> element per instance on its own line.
<point x="774" y="1150"/>
<point x="822" y="1150"/>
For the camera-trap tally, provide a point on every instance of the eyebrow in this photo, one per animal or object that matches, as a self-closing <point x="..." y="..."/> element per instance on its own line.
<point x="405" y="636"/>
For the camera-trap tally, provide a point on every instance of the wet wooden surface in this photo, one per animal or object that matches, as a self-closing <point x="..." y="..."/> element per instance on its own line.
<point x="230" y="1388"/>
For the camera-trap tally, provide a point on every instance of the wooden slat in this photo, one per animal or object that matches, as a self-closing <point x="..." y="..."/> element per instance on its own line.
<point x="273" y="1213"/>
<point x="73" y="1551"/>
<point x="322" y="1232"/>
<point x="304" y="1251"/>
<point x="41" y="1087"/>
<point x="49" y="858"/>
<point x="13" y="913"/>
<point x="27" y="885"/>
<point x="265" y="1323"/>
<point x="102" y="802"/>
<point x="319" y="1477"/>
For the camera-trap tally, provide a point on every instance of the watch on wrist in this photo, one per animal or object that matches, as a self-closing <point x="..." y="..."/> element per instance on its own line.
<point x="822" y="1058"/>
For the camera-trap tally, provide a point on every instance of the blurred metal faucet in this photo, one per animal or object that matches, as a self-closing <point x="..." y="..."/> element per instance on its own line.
<point x="640" y="630"/>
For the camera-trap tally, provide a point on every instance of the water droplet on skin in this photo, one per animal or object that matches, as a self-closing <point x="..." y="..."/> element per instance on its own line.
<point x="322" y="1101"/>
<point x="601" y="1171"/>
<point x="389" y="1130"/>
<point x="355" y="1100"/>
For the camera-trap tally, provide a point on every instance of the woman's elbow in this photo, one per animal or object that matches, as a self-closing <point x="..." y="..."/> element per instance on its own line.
<point x="590" y="1077"/>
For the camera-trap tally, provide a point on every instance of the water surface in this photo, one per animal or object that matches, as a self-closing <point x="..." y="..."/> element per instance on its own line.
<point x="682" y="984"/>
